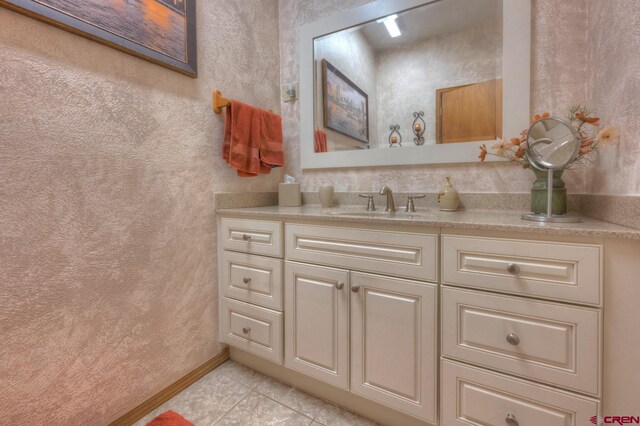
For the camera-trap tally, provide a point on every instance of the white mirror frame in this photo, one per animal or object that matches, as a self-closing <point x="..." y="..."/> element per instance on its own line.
<point x="516" y="75"/>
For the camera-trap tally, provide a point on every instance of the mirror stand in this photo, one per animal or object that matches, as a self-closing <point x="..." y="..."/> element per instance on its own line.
<point x="550" y="217"/>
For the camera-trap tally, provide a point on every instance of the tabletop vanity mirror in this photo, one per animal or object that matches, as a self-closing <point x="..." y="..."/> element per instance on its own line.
<point x="552" y="144"/>
<point x="399" y="82"/>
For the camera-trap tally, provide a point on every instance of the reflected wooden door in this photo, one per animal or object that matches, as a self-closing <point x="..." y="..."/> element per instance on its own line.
<point x="468" y="113"/>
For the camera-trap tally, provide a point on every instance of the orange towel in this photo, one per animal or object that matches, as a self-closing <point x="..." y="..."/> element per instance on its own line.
<point x="169" y="418"/>
<point x="243" y="138"/>
<point x="320" y="141"/>
<point x="271" y="152"/>
<point x="252" y="139"/>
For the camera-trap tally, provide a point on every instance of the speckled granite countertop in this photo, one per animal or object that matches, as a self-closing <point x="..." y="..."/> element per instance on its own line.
<point x="490" y="220"/>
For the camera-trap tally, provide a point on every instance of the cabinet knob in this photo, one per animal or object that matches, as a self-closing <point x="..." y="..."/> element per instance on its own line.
<point x="246" y="280"/>
<point x="511" y="420"/>
<point x="355" y="288"/>
<point x="246" y="237"/>
<point x="513" y="339"/>
<point x="339" y="285"/>
<point x="513" y="268"/>
<point x="246" y="330"/>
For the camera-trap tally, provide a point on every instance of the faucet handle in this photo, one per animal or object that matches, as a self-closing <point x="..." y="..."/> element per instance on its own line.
<point x="370" y="205"/>
<point x="410" y="206"/>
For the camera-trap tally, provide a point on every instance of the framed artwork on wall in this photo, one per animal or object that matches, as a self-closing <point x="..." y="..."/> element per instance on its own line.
<point x="345" y="105"/>
<point x="160" y="31"/>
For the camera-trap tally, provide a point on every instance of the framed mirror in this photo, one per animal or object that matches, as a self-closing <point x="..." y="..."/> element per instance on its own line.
<point x="399" y="82"/>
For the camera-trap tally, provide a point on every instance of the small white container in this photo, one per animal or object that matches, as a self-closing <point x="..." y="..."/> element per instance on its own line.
<point x="326" y="196"/>
<point x="448" y="198"/>
<point x="289" y="195"/>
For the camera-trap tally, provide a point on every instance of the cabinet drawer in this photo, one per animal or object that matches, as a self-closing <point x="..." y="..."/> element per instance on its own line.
<point x="544" y="341"/>
<point x="400" y="254"/>
<point x="252" y="329"/>
<point x="251" y="236"/>
<point x="559" y="271"/>
<point x="471" y="396"/>
<point x="253" y="279"/>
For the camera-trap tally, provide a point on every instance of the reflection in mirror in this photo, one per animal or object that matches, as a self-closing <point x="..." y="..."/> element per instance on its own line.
<point x="552" y="143"/>
<point x="435" y="71"/>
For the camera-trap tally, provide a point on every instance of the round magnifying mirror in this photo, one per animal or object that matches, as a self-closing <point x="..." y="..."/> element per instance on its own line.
<point x="552" y="143"/>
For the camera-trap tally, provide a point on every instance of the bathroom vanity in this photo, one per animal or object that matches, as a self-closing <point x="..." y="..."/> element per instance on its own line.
<point x="463" y="318"/>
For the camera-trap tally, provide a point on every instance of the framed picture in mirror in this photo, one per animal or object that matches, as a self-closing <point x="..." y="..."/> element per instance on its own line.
<point x="345" y="105"/>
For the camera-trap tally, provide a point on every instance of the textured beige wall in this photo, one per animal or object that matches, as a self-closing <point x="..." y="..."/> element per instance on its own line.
<point x="613" y="43"/>
<point x="108" y="165"/>
<point x="558" y="80"/>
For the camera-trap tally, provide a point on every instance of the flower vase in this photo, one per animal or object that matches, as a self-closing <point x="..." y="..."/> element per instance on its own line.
<point x="539" y="193"/>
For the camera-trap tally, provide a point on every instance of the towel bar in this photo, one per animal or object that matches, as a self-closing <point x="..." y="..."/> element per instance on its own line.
<point x="220" y="102"/>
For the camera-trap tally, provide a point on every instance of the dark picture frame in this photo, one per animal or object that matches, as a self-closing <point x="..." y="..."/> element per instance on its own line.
<point x="345" y="105"/>
<point x="178" y="52"/>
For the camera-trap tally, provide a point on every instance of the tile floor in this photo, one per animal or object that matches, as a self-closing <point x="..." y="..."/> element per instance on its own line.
<point x="233" y="394"/>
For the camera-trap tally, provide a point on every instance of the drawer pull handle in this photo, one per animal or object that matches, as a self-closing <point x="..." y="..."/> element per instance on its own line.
<point x="513" y="268"/>
<point x="246" y="280"/>
<point x="513" y="339"/>
<point x="246" y="330"/>
<point x="339" y="285"/>
<point x="355" y="288"/>
<point x="246" y="237"/>
<point x="511" y="420"/>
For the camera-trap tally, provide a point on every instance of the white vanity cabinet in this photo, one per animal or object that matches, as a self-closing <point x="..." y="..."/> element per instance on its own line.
<point x="358" y="306"/>
<point x="388" y="322"/>
<point x="504" y="329"/>
<point x="250" y="278"/>
<point x="527" y="308"/>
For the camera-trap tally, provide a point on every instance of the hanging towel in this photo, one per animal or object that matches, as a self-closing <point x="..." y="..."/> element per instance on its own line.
<point x="241" y="147"/>
<point x="271" y="153"/>
<point x="252" y="139"/>
<point x="320" y="141"/>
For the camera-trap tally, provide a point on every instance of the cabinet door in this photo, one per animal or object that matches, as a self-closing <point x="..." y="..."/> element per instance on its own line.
<point x="317" y="322"/>
<point x="393" y="343"/>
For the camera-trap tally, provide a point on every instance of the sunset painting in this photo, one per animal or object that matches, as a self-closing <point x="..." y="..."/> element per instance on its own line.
<point x="162" y="31"/>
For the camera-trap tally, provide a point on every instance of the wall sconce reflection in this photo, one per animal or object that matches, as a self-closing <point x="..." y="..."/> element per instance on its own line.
<point x="418" y="127"/>
<point x="395" y="138"/>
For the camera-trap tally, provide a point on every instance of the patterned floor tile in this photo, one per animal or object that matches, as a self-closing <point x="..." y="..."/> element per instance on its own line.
<point x="258" y="410"/>
<point x="293" y="398"/>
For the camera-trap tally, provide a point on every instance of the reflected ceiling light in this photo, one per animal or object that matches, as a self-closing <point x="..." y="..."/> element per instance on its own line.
<point x="391" y="24"/>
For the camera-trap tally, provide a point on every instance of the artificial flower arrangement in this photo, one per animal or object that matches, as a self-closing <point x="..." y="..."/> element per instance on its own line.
<point x="585" y="124"/>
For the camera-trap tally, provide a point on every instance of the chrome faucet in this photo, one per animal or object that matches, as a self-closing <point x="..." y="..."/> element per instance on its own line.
<point x="391" y="206"/>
